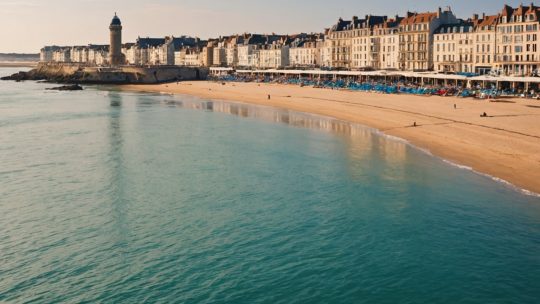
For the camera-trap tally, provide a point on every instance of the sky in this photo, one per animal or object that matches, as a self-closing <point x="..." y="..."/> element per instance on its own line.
<point x="28" y="25"/>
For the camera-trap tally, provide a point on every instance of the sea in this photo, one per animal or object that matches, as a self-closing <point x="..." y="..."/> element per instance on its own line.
<point x="108" y="196"/>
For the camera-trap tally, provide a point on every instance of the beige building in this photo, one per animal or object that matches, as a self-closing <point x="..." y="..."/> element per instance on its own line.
<point x="46" y="54"/>
<point x="453" y="48"/>
<point x="231" y="50"/>
<point x="188" y="57"/>
<point x="386" y="37"/>
<point x="416" y="38"/>
<point x="484" y="37"/>
<point x="245" y="53"/>
<point x="157" y="51"/>
<point x="98" y="54"/>
<point x="305" y="54"/>
<point x="339" y="44"/>
<point x="193" y="58"/>
<point x="365" y="45"/>
<point x="273" y="56"/>
<point x="219" y="55"/>
<point x="517" y="41"/>
<point x="325" y="49"/>
<point x="62" y="55"/>
<point x="79" y="54"/>
<point x="207" y="55"/>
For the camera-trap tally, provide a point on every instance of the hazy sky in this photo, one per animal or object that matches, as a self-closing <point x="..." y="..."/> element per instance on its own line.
<point x="27" y="25"/>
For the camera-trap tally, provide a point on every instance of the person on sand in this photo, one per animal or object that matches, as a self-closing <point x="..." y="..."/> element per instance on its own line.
<point x="484" y="115"/>
<point x="414" y="124"/>
<point x="268" y="96"/>
<point x="455" y="106"/>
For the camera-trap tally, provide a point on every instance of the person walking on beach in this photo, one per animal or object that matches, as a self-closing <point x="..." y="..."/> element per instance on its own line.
<point x="455" y="106"/>
<point x="268" y="96"/>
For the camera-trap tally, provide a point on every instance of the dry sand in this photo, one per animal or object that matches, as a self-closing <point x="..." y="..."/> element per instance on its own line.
<point x="18" y="64"/>
<point x="505" y="145"/>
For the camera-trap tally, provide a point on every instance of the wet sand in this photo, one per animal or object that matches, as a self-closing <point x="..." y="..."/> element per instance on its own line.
<point x="505" y="145"/>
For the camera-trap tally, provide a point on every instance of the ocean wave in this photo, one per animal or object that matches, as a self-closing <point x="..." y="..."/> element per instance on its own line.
<point x="494" y="178"/>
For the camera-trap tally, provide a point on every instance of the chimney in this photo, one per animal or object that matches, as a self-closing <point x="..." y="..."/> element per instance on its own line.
<point x="439" y="12"/>
<point x="484" y="16"/>
<point x="475" y="17"/>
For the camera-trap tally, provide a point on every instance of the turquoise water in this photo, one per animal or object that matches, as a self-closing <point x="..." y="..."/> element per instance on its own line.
<point x="119" y="197"/>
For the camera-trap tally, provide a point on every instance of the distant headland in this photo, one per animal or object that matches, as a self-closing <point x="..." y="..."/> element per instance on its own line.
<point x="99" y="65"/>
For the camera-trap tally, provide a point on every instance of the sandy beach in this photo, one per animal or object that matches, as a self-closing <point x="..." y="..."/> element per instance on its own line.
<point x="505" y="145"/>
<point x="18" y="64"/>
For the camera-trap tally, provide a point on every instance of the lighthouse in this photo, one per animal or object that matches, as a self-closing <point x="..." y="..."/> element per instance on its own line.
<point x="115" y="52"/>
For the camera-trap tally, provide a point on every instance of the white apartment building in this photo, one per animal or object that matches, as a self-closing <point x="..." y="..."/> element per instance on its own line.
<point x="305" y="54"/>
<point x="245" y="53"/>
<point x="46" y="54"/>
<point x="385" y="38"/>
<point x="453" y="48"/>
<point x="517" y="41"/>
<point x="273" y="57"/>
<point x="62" y="55"/>
<point x="98" y="54"/>
<point x="388" y="50"/>
<point x="79" y="54"/>
<point x="365" y="47"/>
<point x="484" y="37"/>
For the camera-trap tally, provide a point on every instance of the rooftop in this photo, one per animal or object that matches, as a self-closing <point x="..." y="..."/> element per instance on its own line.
<point x="116" y="20"/>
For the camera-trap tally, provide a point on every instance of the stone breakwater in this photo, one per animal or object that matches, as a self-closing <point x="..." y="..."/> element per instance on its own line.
<point x="78" y="73"/>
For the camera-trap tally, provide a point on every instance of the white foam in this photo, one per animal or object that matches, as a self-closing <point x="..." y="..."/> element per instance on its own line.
<point x="494" y="178"/>
<point x="463" y="167"/>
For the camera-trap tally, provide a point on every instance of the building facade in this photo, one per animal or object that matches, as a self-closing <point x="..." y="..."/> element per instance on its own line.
<point x="453" y="48"/>
<point x="416" y="32"/>
<point x="484" y="37"/>
<point x="517" y="41"/>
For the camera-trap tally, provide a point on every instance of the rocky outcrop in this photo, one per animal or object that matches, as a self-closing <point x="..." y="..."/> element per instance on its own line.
<point x="21" y="76"/>
<point x="75" y="73"/>
<point x="73" y="87"/>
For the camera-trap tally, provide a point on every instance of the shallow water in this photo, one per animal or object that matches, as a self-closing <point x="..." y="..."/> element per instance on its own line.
<point x="120" y="197"/>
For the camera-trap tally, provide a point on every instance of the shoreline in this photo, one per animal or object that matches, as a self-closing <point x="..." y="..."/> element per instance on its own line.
<point x="503" y="146"/>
